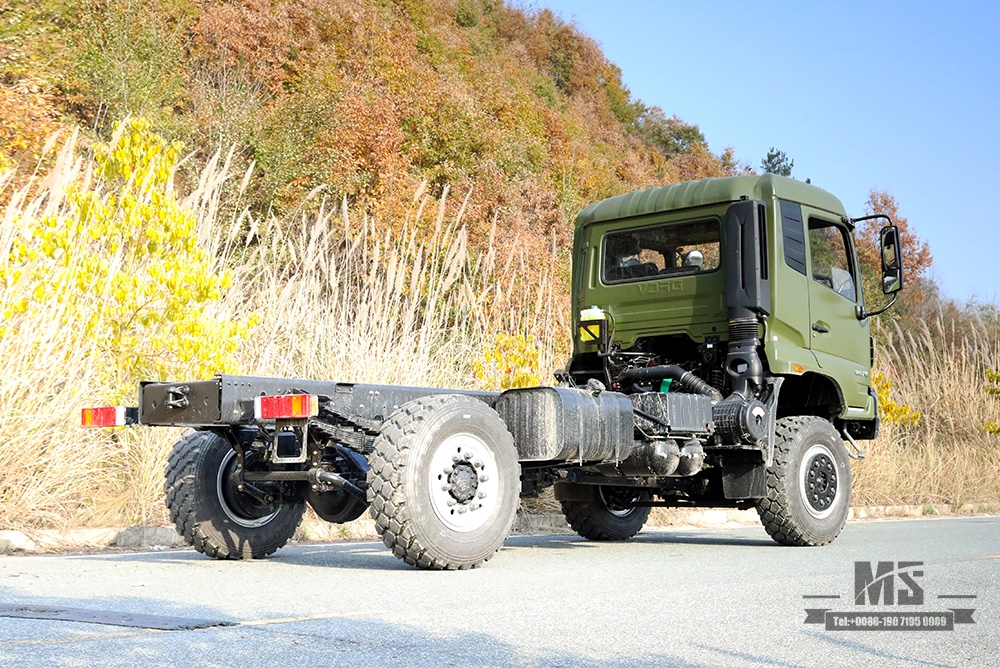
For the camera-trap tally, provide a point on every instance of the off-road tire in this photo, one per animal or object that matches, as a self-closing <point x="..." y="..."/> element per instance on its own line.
<point x="204" y="518"/>
<point x="590" y="516"/>
<point x="806" y="444"/>
<point x="407" y="493"/>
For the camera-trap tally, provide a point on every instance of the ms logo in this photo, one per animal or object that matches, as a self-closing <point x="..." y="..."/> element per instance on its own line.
<point x="888" y="584"/>
<point x="872" y="586"/>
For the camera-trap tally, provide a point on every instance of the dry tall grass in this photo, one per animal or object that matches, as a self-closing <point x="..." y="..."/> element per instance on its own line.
<point x="948" y="457"/>
<point x="335" y="299"/>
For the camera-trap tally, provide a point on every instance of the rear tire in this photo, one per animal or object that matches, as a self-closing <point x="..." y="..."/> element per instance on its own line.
<point x="211" y="514"/>
<point x="808" y="483"/>
<point x="599" y="512"/>
<point x="444" y="482"/>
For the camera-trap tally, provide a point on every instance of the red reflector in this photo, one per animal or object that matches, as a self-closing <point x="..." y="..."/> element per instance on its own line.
<point x="286" y="406"/>
<point x="106" y="416"/>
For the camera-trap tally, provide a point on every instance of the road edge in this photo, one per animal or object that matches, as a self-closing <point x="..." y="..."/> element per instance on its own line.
<point x="314" y="529"/>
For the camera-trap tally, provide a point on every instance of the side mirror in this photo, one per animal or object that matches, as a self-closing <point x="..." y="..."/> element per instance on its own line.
<point x="892" y="260"/>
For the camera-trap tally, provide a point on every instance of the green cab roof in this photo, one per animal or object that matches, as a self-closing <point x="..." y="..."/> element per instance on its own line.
<point x="708" y="191"/>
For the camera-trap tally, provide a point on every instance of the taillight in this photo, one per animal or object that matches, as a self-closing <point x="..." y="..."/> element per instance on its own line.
<point x="108" y="416"/>
<point x="286" y="406"/>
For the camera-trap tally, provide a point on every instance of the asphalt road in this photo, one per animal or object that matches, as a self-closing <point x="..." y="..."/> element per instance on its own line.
<point x="722" y="597"/>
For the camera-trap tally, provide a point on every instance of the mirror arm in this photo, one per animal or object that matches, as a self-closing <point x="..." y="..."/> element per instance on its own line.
<point x="875" y="216"/>
<point x="862" y="314"/>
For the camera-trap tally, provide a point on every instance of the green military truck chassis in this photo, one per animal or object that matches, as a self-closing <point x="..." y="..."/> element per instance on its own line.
<point x="722" y="358"/>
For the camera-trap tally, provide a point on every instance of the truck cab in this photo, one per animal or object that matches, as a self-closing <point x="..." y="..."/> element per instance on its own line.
<point x="658" y="263"/>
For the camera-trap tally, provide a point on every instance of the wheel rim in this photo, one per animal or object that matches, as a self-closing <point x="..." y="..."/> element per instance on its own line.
<point x="614" y="501"/>
<point x="464" y="482"/>
<point x="819" y="483"/>
<point x="241" y="508"/>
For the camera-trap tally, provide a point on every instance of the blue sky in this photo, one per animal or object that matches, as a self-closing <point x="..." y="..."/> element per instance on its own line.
<point x="897" y="96"/>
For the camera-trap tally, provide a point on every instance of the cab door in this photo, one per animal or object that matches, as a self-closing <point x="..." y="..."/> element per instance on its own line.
<point x="838" y="339"/>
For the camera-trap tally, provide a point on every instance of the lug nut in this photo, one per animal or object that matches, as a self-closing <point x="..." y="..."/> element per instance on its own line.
<point x="462" y="509"/>
<point x="483" y="478"/>
<point x="456" y="458"/>
<point x="481" y="495"/>
<point x="445" y="488"/>
<point x="452" y="502"/>
<point x="448" y="470"/>
<point x="479" y="464"/>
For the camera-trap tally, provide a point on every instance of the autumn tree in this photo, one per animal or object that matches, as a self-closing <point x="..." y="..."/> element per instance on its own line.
<point x="777" y="162"/>
<point x="669" y="136"/>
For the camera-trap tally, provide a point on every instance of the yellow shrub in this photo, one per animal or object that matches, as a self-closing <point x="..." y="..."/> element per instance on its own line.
<point x="511" y="361"/>
<point x="120" y="268"/>
<point x="889" y="410"/>
<point x="993" y="382"/>
<point x="992" y="389"/>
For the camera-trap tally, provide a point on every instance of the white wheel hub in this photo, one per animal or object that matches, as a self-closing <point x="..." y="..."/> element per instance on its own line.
<point x="464" y="483"/>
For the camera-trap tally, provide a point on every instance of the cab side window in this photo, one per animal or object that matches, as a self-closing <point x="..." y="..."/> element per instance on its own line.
<point x="831" y="265"/>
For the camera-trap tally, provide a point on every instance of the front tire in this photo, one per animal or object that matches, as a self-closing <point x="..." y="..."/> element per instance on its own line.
<point x="444" y="482"/>
<point x="808" y="483"/>
<point x="212" y="514"/>
<point x="599" y="512"/>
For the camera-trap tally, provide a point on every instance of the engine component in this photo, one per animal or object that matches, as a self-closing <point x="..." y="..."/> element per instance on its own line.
<point x="739" y="420"/>
<point x="670" y="413"/>
<point x="747" y="294"/>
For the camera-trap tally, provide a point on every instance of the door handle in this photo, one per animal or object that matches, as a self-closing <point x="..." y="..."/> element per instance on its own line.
<point x="822" y="329"/>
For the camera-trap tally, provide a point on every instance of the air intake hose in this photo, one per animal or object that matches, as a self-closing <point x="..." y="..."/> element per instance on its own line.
<point x="687" y="380"/>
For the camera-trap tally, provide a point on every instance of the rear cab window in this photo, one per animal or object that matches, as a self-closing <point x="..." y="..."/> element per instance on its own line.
<point x="661" y="251"/>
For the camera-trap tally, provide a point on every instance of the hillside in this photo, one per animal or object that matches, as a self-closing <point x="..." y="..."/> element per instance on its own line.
<point x="396" y="207"/>
<point x="515" y="111"/>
